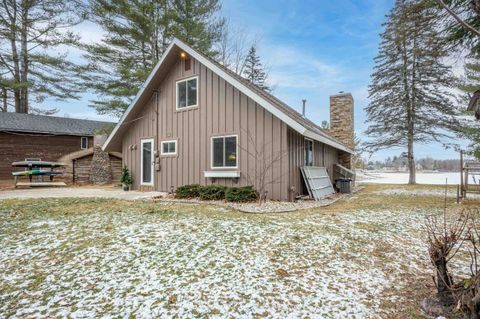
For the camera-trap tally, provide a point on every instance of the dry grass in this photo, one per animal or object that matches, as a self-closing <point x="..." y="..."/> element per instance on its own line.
<point x="364" y="256"/>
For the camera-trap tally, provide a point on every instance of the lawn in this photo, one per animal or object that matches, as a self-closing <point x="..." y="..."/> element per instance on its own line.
<point x="363" y="257"/>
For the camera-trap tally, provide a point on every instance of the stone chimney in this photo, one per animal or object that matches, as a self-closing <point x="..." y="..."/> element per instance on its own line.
<point x="341" y="123"/>
<point x="100" y="171"/>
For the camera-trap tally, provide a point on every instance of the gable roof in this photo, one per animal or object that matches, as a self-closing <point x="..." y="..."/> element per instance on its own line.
<point x="474" y="104"/>
<point x="21" y="122"/>
<point x="278" y="108"/>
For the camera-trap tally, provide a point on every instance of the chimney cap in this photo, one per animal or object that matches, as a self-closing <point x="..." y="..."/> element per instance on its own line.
<point x="342" y="93"/>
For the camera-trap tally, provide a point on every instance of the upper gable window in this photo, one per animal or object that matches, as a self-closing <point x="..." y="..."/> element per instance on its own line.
<point x="187" y="93"/>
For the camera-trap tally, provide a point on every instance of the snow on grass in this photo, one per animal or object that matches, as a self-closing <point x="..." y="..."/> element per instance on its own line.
<point x="189" y="262"/>
<point x="423" y="192"/>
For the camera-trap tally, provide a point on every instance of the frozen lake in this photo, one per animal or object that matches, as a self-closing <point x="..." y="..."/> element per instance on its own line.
<point x="402" y="178"/>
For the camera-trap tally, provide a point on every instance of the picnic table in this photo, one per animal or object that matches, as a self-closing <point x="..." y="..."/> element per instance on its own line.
<point x="37" y="168"/>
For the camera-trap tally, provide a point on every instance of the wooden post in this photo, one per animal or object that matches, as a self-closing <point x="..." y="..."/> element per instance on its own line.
<point x="458" y="194"/>
<point x="461" y="172"/>
<point x="466" y="181"/>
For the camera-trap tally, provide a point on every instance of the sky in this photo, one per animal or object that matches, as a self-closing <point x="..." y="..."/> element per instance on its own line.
<point x="312" y="48"/>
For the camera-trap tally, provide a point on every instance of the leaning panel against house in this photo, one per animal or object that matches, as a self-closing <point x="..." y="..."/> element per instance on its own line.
<point x="195" y="122"/>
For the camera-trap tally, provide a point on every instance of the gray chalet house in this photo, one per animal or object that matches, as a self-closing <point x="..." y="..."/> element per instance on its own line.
<point x="196" y="122"/>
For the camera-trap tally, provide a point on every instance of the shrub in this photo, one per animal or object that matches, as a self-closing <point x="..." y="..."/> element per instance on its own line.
<point x="126" y="178"/>
<point x="241" y="194"/>
<point x="212" y="192"/>
<point x="188" y="191"/>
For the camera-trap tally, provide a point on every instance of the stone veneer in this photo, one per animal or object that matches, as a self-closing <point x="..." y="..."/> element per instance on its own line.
<point x="341" y="124"/>
<point x="101" y="172"/>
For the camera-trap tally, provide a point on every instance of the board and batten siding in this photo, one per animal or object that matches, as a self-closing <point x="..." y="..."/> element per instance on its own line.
<point x="323" y="155"/>
<point x="222" y="110"/>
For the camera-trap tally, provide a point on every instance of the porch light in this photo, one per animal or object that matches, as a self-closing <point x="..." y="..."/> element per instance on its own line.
<point x="183" y="55"/>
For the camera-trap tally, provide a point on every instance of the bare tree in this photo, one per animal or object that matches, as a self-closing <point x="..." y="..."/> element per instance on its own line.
<point x="233" y="47"/>
<point x="264" y="174"/>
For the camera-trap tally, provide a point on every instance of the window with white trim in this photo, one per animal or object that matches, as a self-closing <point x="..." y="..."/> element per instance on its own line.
<point x="169" y="147"/>
<point x="84" y="142"/>
<point x="187" y="93"/>
<point x="224" y="152"/>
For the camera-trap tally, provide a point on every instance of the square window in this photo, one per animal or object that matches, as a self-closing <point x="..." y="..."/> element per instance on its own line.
<point x="224" y="152"/>
<point x="169" y="148"/>
<point x="187" y="93"/>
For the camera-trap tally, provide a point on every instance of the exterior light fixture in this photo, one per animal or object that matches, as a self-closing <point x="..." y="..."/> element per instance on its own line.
<point x="183" y="54"/>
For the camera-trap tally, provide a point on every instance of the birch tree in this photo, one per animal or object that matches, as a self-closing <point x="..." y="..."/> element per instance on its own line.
<point x="410" y="91"/>
<point x="30" y="31"/>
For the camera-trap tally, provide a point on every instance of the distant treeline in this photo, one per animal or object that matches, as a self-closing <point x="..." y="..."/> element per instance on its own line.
<point x="428" y="163"/>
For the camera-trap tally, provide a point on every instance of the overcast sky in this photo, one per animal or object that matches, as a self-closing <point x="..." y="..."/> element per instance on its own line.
<point x="313" y="49"/>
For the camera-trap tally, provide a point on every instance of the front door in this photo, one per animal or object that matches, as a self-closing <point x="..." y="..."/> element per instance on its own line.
<point x="147" y="162"/>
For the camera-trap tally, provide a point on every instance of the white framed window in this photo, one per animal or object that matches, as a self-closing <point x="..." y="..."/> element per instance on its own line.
<point x="84" y="142"/>
<point x="187" y="93"/>
<point x="308" y="152"/>
<point x="224" y="151"/>
<point x="168" y="147"/>
<point x="146" y="161"/>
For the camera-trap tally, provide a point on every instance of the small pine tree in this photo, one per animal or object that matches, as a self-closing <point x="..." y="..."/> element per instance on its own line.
<point x="126" y="178"/>
<point x="410" y="93"/>
<point x="254" y="71"/>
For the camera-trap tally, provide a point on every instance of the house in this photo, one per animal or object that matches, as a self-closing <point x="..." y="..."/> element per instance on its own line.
<point x="196" y="122"/>
<point x="474" y="104"/>
<point x="45" y="137"/>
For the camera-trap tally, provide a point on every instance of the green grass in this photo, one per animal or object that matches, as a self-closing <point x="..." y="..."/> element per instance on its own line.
<point x="94" y="258"/>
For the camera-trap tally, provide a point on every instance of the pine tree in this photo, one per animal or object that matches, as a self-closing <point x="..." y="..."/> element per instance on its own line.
<point x="194" y="22"/>
<point x="29" y="32"/>
<point x="462" y="38"/>
<point x="410" y="101"/>
<point x="137" y="34"/>
<point x="254" y="71"/>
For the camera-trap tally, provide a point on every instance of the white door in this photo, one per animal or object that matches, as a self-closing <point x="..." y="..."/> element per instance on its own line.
<point x="147" y="162"/>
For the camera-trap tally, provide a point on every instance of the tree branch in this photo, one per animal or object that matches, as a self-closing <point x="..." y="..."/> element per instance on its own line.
<point x="456" y="17"/>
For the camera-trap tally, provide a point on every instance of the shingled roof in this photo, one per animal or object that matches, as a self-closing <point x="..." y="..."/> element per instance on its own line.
<point x="19" y="122"/>
<point x="272" y="104"/>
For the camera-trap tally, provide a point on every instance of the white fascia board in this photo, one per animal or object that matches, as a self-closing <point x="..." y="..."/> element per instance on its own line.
<point x="327" y="141"/>
<point x="242" y="88"/>
<point x="137" y="97"/>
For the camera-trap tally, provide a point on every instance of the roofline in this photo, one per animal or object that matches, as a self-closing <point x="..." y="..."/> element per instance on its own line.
<point x="139" y="94"/>
<point x="46" y="132"/>
<point x="237" y="84"/>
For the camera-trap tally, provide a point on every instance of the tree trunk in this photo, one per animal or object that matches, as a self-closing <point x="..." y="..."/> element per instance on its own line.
<point x="4" y="100"/>
<point x="443" y="282"/>
<point x="411" y="160"/>
<point x="15" y="60"/>
<point x="24" y="61"/>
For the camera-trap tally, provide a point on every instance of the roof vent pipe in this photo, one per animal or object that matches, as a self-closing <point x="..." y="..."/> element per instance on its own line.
<point x="304" y="101"/>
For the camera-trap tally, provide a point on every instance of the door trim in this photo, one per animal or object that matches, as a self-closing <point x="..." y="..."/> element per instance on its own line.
<point x="143" y="141"/>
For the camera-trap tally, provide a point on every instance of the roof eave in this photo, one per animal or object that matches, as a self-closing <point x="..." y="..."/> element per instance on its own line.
<point x="328" y="141"/>
<point x="240" y="86"/>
